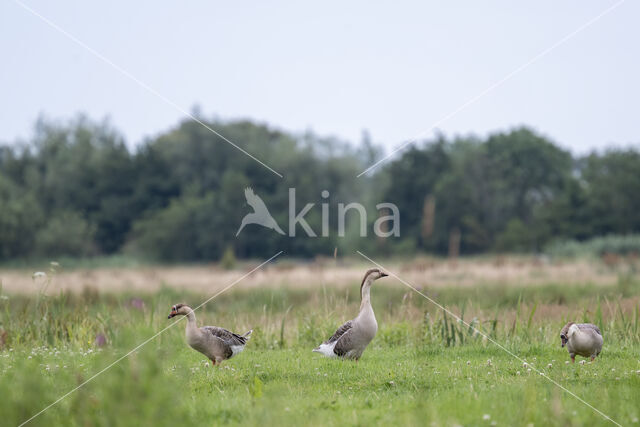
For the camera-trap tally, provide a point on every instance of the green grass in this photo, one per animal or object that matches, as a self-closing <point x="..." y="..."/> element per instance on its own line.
<point x="292" y="386"/>
<point x="423" y="367"/>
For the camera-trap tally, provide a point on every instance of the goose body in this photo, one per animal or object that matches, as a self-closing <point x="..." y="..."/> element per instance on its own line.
<point x="351" y="339"/>
<point x="216" y="343"/>
<point x="583" y="339"/>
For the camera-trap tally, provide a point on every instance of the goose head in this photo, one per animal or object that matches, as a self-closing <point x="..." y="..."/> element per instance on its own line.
<point x="371" y="275"/>
<point x="375" y="274"/>
<point x="177" y="309"/>
<point x="568" y="330"/>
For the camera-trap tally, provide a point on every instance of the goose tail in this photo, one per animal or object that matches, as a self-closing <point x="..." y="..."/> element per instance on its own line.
<point x="326" y="349"/>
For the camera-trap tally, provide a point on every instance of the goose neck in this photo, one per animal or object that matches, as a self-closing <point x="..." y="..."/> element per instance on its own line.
<point x="191" y="319"/>
<point x="365" y="294"/>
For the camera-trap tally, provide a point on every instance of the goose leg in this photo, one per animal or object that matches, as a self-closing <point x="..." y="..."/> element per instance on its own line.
<point x="573" y="359"/>
<point x="213" y="362"/>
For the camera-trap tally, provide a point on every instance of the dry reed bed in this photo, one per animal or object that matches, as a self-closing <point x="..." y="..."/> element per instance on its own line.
<point x="422" y="273"/>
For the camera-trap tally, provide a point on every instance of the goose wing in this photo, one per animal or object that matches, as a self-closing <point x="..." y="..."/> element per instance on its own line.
<point x="340" y="332"/>
<point x="590" y="326"/>
<point x="342" y="339"/>
<point x="226" y="336"/>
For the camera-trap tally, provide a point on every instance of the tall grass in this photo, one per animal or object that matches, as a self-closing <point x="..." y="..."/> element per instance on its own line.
<point x="287" y="318"/>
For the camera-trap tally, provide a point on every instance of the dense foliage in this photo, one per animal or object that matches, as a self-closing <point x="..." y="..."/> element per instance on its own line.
<point x="76" y="189"/>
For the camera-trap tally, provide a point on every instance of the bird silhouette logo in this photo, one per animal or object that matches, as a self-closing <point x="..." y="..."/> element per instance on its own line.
<point x="260" y="214"/>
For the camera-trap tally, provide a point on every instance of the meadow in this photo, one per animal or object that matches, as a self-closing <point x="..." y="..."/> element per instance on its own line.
<point x="423" y="368"/>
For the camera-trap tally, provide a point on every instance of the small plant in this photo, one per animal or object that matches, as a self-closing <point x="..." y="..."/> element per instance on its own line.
<point x="228" y="260"/>
<point x="255" y="389"/>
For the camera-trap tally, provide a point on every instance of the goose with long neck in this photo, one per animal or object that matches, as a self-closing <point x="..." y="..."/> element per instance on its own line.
<point x="351" y="339"/>
<point x="216" y="343"/>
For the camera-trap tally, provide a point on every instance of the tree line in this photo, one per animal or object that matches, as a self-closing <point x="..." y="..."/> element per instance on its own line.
<point x="76" y="189"/>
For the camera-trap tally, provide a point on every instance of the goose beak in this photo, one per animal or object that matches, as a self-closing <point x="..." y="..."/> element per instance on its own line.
<point x="383" y="274"/>
<point x="172" y="314"/>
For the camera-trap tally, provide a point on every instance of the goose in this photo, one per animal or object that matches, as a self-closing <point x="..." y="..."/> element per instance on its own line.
<point x="584" y="339"/>
<point x="216" y="343"/>
<point x="350" y="340"/>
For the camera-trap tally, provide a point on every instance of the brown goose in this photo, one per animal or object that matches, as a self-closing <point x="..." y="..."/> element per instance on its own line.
<point x="216" y="343"/>
<point x="584" y="339"/>
<point x="350" y="340"/>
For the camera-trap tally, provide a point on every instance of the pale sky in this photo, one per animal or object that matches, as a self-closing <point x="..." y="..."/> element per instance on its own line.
<point x="336" y="68"/>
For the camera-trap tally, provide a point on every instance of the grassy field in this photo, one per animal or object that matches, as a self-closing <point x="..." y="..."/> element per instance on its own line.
<point x="423" y="367"/>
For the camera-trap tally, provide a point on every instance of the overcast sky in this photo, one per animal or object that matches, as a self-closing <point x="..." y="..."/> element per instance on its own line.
<point x="334" y="67"/>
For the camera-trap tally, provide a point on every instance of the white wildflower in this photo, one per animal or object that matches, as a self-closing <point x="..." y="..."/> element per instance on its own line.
<point x="486" y="417"/>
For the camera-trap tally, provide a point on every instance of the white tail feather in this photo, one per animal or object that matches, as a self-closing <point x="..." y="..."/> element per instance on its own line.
<point x="326" y="349"/>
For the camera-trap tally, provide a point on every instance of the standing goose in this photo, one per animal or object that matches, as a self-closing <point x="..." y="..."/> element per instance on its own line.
<point x="584" y="339"/>
<point x="216" y="343"/>
<point x="350" y="340"/>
